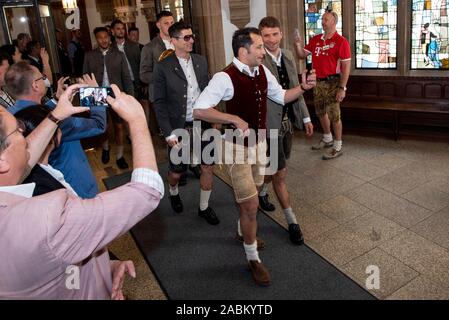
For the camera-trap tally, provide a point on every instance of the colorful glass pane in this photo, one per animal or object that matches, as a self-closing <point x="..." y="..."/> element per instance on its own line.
<point x="314" y="10"/>
<point x="430" y="34"/>
<point x="376" y="34"/>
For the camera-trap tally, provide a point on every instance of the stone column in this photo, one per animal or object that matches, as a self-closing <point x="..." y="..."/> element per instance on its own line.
<point x="208" y="23"/>
<point x="291" y="15"/>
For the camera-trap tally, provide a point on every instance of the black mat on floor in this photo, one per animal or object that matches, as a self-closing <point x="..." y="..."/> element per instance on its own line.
<point x="194" y="260"/>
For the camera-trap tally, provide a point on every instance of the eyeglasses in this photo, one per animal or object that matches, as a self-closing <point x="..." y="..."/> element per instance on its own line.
<point x="20" y="128"/>
<point x="44" y="77"/>
<point x="187" y="37"/>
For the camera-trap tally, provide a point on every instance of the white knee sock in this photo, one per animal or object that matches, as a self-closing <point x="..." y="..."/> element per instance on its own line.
<point x="290" y="216"/>
<point x="327" y="137"/>
<point x="251" y="252"/>
<point x="174" y="190"/>
<point x="119" y="152"/>
<point x="338" y="144"/>
<point x="264" y="190"/>
<point x="239" y="229"/>
<point x="204" y="199"/>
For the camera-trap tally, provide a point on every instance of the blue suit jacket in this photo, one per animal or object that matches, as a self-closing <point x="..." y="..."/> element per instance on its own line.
<point x="70" y="158"/>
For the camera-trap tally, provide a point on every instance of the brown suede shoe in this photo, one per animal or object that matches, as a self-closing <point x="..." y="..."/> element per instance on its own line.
<point x="260" y="273"/>
<point x="260" y="242"/>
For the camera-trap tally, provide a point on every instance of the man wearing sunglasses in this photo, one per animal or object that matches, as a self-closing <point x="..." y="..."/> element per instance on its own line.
<point x="178" y="81"/>
<point x="27" y="84"/>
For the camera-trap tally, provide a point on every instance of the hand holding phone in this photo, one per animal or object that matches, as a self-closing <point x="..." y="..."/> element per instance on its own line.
<point x="94" y="96"/>
<point x="309" y="68"/>
<point x="296" y="36"/>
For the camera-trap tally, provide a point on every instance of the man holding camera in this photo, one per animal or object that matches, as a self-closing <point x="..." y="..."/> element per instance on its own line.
<point x="331" y="57"/>
<point x="50" y="241"/>
<point x="26" y="83"/>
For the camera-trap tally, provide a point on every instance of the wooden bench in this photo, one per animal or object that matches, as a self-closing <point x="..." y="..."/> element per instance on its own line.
<point x="396" y="106"/>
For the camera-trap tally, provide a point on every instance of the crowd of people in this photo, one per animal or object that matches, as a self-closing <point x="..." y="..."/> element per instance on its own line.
<point x="43" y="165"/>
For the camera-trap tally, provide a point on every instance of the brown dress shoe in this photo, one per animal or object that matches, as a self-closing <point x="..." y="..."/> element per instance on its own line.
<point x="260" y="242"/>
<point x="260" y="273"/>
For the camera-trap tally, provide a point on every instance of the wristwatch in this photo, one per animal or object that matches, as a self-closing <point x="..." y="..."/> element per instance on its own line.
<point x="53" y="118"/>
<point x="342" y="88"/>
<point x="302" y="88"/>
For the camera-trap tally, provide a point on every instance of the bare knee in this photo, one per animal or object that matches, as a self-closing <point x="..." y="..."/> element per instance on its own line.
<point x="249" y="207"/>
<point x="280" y="176"/>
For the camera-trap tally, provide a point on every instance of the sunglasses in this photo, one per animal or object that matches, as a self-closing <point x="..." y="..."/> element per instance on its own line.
<point x="187" y="37"/>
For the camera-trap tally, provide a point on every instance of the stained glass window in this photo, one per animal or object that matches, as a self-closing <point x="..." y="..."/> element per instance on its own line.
<point x="376" y="34"/>
<point x="314" y="10"/>
<point x="430" y="33"/>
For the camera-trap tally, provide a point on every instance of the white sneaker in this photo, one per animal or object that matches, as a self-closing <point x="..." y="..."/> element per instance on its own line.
<point x="332" y="154"/>
<point x="322" y="145"/>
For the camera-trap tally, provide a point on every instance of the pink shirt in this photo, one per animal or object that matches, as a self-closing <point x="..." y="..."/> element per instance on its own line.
<point x="41" y="237"/>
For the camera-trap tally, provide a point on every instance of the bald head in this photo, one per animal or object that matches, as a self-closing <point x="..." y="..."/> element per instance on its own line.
<point x="329" y="22"/>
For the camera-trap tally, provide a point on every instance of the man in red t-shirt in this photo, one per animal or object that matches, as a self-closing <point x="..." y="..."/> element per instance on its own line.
<point x="331" y="58"/>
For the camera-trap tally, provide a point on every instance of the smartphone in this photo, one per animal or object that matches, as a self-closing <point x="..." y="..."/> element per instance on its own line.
<point x="309" y="65"/>
<point x="296" y="34"/>
<point x="95" y="96"/>
<point x="309" y="68"/>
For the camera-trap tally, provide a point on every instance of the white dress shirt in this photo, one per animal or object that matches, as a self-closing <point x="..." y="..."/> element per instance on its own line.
<point x="23" y="190"/>
<point x="278" y="62"/>
<point x="59" y="176"/>
<point x="221" y="87"/>
<point x="105" y="75"/>
<point x="121" y="47"/>
<point x="168" y="44"/>
<point x="193" y="89"/>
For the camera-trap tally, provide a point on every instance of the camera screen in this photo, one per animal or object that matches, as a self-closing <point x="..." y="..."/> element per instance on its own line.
<point x="93" y="97"/>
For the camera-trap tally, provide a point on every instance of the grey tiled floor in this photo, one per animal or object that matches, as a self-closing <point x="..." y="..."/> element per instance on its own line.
<point x="383" y="203"/>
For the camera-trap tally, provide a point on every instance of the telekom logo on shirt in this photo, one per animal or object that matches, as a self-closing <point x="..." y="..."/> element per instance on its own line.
<point x="324" y="49"/>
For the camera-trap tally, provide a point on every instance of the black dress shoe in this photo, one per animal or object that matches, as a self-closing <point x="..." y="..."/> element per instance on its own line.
<point x="209" y="215"/>
<point x="105" y="156"/>
<point x="176" y="203"/>
<point x="295" y="233"/>
<point x="183" y="180"/>
<point x="266" y="205"/>
<point x="122" y="164"/>
<point x="196" y="171"/>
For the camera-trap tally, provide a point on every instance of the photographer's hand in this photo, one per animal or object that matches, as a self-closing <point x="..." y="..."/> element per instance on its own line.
<point x="60" y="87"/>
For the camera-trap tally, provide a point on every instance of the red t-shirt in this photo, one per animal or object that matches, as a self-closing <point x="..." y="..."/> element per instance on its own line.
<point x="327" y="54"/>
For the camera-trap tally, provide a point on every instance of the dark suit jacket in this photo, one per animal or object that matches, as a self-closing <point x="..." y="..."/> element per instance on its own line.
<point x="149" y="58"/>
<point x="118" y="71"/>
<point x="274" y="110"/>
<point x="38" y="64"/>
<point x="45" y="183"/>
<point x="132" y="51"/>
<point x="170" y="91"/>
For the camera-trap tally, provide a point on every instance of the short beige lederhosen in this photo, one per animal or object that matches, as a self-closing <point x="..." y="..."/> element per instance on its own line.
<point x="244" y="176"/>
<point x="325" y="99"/>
